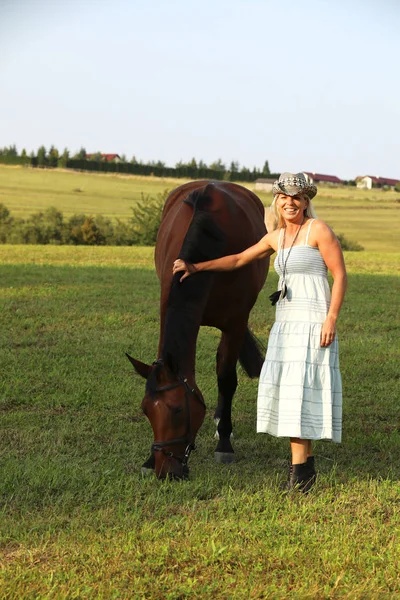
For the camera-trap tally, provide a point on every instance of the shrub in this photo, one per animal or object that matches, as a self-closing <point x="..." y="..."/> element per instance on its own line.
<point x="146" y="218"/>
<point x="349" y="244"/>
<point x="49" y="227"/>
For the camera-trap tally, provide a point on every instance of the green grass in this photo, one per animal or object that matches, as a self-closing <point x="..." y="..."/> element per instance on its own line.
<point x="77" y="518"/>
<point x="368" y="217"/>
<point x="26" y="190"/>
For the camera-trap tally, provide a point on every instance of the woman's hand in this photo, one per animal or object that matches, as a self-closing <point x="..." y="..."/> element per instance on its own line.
<point x="181" y="265"/>
<point x="328" y="331"/>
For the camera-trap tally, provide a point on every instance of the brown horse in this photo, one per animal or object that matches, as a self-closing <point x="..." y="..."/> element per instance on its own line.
<point x="201" y="220"/>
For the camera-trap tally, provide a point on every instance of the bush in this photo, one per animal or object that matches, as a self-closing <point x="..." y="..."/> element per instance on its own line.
<point x="146" y="219"/>
<point x="349" y="244"/>
<point x="49" y="227"/>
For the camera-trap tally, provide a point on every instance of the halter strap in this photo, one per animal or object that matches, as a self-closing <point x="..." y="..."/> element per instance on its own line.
<point x="280" y="239"/>
<point x="308" y="231"/>
<point x="187" y="439"/>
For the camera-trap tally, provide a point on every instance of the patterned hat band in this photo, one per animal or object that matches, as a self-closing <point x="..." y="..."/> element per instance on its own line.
<point x="291" y="185"/>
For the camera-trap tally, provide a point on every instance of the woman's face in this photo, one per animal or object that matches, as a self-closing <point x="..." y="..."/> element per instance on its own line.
<point x="291" y="208"/>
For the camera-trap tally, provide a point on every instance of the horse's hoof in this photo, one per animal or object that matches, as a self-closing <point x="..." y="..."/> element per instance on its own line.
<point x="146" y="472"/>
<point x="226" y="458"/>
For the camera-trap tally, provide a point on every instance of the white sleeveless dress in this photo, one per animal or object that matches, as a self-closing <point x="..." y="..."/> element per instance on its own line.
<point x="300" y="387"/>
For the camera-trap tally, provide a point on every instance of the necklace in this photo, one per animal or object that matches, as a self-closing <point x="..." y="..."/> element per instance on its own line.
<point x="280" y="294"/>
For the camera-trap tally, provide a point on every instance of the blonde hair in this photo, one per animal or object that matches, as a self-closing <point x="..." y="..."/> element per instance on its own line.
<point x="277" y="220"/>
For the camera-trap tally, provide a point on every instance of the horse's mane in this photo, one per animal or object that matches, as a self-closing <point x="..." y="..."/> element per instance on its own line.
<point x="204" y="240"/>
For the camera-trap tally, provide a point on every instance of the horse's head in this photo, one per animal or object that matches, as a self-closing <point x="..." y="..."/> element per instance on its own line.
<point x="176" y="412"/>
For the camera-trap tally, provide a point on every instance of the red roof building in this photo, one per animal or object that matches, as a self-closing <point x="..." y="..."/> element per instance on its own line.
<point x="369" y="181"/>
<point x="318" y="178"/>
<point x="106" y="157"/>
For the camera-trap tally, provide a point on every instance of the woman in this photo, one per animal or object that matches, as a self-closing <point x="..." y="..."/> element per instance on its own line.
<point x="300" y="392"/>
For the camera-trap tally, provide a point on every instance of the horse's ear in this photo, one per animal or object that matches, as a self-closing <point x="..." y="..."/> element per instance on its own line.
<point x="140" y="368"/>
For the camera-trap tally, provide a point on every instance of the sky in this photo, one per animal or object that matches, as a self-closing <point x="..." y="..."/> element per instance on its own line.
<point x="308" y="85"/>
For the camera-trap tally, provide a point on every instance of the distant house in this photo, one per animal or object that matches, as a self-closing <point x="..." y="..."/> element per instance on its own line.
<point x="329" y="179"/>
<point x="264" y="185"/>
<point x="367" y="182"/>
<point x="106" y="157"/>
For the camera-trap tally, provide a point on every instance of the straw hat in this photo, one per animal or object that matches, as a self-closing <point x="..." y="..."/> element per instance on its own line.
<point x="293" y="184"/>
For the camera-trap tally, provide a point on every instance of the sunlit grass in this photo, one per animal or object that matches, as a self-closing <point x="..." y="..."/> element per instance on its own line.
<point x="77" y="518"/>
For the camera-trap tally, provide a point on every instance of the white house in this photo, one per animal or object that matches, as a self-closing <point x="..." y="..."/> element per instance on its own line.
<point x="264" y="185"/>
<point x="368" y="181"/>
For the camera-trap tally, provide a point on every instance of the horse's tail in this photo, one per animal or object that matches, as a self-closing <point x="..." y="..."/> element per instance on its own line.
<point x="251" y="355"/>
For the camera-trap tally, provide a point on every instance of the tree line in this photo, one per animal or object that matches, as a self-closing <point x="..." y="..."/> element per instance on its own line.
<point x="52" y="158"/>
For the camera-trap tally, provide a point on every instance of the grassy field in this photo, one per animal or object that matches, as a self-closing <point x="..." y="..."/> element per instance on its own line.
<point x="77" y="518"/>
<point x="370" y="218"/>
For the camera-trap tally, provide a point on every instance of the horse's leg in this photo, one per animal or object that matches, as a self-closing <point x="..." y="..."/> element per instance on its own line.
<point x="227" y="356"/>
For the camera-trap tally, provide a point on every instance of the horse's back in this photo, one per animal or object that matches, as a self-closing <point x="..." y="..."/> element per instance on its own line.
<point x="238" y="215"/>
<point x="238" y="211"/>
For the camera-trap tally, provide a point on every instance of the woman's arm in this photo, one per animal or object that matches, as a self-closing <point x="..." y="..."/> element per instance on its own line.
<point x="265" y="247"/>
<point x="331" y="252"/>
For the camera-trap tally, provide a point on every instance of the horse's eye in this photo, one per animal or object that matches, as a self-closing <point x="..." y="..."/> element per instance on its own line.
<point x="176" y="409"/>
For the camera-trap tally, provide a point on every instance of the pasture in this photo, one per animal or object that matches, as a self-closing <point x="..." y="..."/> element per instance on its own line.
<point x="77" y="518"/>
<point x="369" y="217"/>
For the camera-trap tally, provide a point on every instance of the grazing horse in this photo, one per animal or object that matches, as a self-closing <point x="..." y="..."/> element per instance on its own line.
<point x="201" y="220"/>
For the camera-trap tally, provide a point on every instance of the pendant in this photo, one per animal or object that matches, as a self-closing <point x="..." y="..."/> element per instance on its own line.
<point x="278" y="295"/>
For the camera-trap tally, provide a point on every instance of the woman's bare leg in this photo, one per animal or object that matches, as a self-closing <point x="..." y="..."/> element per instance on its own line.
<point x="300" y="450"/>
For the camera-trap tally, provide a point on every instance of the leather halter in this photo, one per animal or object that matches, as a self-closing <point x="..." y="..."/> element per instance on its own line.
<point x="187" y="438"/>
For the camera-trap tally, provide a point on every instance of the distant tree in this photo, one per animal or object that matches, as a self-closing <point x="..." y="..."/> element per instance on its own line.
<point x="202" y="165"/>
<point x="234" y="167"/>
<point x="123" y="158"/>
<point x="23" y="153"/>
<point x="133" y="160"/>
<point x="265" y="171"/>
<point x="96" y="157"/>
<point x="52" y="157"/>
<point x="81" y="155"/>
<point x="193" y="164"/>
<point x="41" y="157"/>
<point x="245" y="173"/>
<point x="218" y="165"/>
<point x="397" y="186"/>
<point x="12" y="150"/>
<point x="64" y="158"/>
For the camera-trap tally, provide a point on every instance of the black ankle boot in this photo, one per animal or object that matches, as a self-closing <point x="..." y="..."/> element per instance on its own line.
<point x="302" y="476"/>
<point x="310" y="463"/>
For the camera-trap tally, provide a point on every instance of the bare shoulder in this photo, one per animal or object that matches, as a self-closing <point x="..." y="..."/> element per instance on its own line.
<point x="320" y="226"/>
<point x="321" y="231"/>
